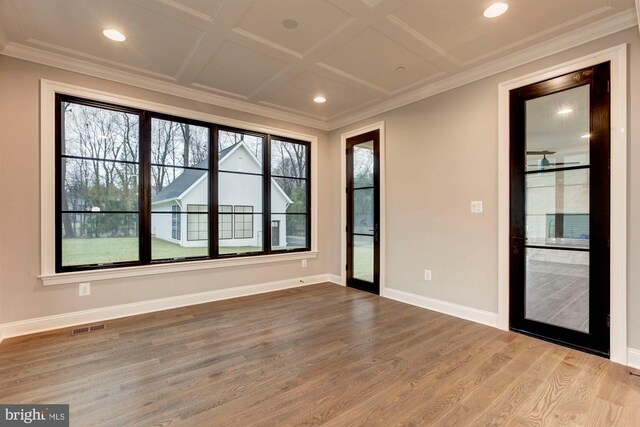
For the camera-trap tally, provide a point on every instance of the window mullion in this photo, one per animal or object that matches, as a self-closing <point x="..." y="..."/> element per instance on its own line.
<point x="145" y="188"/>
<point x="266" y="198"/>
<point x="214" y="250"/>
<point x="309" y="198"/>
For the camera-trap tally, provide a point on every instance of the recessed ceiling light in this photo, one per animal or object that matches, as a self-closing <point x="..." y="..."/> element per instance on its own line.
<point x="495" y="10"/>
<point x="290" y="24"/>
<point x="319" y="99"/>
<point x="565" y="111"/>
<point x="114" y="35"/>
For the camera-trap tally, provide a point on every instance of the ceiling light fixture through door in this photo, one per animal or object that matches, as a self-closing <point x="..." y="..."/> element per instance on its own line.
<point x="495" y="10"/>
<point x="114" y="35"/>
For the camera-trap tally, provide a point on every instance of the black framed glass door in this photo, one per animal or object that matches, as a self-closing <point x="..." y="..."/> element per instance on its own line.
<point x="560" y="209"/>
<point x="363" y="212"/>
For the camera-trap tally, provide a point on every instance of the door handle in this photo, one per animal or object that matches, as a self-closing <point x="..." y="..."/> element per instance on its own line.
<point x="517" y="239"/>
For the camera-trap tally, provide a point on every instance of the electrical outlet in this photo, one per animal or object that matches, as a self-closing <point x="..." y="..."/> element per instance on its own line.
<point x="304" y="263"/>
<point x="84" y="289"/>
<point x="427" y="275"/>
<point x="476" y="206"/>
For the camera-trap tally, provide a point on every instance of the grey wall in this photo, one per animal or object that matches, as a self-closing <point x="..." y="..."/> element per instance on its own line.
<point x="442" y="153"/>
<point x="22" y="295"/>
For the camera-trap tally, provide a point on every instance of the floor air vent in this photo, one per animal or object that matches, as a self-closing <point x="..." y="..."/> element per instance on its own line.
<point x="88" y="329"/>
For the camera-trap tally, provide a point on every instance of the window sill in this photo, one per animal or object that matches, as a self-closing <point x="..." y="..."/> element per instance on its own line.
<point x="148" y="270"/>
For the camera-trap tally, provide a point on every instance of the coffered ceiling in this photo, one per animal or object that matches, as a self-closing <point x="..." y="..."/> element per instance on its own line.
<point x="364" y="56"/>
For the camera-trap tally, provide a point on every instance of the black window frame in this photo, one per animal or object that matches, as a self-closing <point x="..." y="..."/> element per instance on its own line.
<point x="307" y="179"/>
<point x="145" y="182"/>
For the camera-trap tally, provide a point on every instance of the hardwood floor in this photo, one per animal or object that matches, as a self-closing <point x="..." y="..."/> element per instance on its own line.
<point x="317" y="355"/>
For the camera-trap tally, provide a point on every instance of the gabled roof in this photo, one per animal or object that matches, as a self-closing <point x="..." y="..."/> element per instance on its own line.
<point x="189" y="177"/>
<point x="178" y="187"/>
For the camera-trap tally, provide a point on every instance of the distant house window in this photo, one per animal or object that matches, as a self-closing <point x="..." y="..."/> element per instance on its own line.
<point x="197" y="222"/>
<point x="175" y="222"/>
<point x="225" y="222"/>
<point x="243" y="220"/>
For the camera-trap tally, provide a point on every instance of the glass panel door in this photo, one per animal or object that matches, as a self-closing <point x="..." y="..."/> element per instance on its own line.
<point x="363" y="237"/>
<point x="560" y="209"/>
<point x="557" y="208"/>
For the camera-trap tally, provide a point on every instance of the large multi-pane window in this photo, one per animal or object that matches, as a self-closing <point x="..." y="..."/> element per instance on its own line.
<point x="290" y="194"/>
<point x="241" y="177"/>
<point x="98" y="175"/>
<point x="179" y="178"/>
<point x="136" y="188"/>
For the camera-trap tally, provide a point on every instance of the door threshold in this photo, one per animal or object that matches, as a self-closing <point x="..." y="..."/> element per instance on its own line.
<point x="562" y="343"/>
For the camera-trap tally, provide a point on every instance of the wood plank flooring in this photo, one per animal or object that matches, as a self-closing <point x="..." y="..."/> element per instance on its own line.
<point x="316" y="355"/>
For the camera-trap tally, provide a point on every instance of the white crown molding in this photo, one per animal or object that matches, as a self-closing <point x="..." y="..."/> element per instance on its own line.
<point x="65" y="320"/>
<point x="40" y="56"/>
<point x="603" y="28"/>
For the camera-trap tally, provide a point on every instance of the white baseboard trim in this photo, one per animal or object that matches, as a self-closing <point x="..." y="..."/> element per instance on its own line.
<point x="42" y="324"/>
<point x="633" y="358"/>
<point x="334" y="278"/>
<point x="456" y="310"/>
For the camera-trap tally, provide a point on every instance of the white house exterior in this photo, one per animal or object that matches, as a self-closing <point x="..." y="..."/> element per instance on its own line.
<point x="239" y="197"/>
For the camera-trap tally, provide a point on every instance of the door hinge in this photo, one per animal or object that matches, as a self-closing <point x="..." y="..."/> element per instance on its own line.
<point x="608" y="320"/>
<point x="609" y="86"/>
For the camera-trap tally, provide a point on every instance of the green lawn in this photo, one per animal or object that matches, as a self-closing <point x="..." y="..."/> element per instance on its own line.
<point x="118" y="249"/>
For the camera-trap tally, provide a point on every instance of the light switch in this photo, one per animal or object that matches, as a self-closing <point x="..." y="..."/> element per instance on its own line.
<point x="476" y="206"/>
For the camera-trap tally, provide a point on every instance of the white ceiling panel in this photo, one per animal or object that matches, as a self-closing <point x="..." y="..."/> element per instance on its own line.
<point x="364" y="56"/>
<point x="154" y="42"/>
<point x="375" y="58"/>
<point x="239" y="70"/>
<point x="458" y="26"/>
<point x="315" y="18"/>
<point x="299" y="92"/>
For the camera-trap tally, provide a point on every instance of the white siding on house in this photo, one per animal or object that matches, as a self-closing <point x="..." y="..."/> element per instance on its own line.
<point x="234" y="189"/>
<point x="198" y="194"/>
<point x="161" y="222"/>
